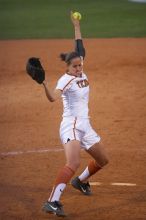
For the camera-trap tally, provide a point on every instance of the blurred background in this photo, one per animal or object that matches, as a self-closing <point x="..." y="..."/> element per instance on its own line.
<point x="49" y="18"/>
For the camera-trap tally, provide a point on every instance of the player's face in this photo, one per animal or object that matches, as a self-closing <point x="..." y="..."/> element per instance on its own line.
<point x="76" y="67"/>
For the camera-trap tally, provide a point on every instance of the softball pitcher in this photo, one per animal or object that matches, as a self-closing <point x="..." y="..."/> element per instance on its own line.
<point x="76" y="131"/>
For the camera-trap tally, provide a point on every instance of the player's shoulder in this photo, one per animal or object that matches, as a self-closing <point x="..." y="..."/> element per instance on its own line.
<point x="65" y="82"/>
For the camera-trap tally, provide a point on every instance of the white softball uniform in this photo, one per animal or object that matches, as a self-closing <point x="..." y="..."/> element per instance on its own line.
<point x="75" y="124"/>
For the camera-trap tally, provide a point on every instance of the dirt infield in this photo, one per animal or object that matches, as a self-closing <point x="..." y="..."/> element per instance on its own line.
<point x="116" y="70"/>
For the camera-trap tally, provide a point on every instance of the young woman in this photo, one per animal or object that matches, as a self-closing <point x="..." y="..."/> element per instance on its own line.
<point x="75" y="129"/>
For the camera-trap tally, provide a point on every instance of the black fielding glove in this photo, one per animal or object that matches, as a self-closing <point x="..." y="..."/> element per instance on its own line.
<point x="35" y="70"/>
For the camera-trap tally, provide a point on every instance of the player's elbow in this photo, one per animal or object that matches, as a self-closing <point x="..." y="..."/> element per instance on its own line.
<point x="52" y="100"/>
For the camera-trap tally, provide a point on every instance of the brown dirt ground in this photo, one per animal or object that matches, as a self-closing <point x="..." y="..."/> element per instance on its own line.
<point x="117" y="73"/>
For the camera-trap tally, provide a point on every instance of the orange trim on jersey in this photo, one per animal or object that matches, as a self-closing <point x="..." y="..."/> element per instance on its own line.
<point x="74" y="128"/>
<point x="67" y="84"/>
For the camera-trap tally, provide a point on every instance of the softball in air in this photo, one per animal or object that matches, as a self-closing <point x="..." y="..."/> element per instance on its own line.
<point x="77" y="15"/>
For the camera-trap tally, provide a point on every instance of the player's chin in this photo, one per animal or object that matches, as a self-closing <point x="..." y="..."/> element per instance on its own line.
<point x="78" y="73"/>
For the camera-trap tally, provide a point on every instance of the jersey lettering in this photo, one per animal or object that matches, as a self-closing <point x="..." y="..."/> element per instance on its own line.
<point x="83" y="83"/>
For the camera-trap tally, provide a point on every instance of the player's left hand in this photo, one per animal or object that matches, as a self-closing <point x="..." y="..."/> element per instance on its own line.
<point x="35" y="70"/>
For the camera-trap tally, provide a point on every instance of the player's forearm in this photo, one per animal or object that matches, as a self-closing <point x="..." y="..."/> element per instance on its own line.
<point x="79" y="47"/>
<point x="77" y="32"/>
<point x="49" y="94"/>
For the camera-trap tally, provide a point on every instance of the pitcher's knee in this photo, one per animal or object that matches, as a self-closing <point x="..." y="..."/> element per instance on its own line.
<point x="73" y="165"/>
<point x="104" y="162"/>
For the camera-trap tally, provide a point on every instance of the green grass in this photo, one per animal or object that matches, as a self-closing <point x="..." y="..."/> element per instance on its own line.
<point x="20" y="19"/>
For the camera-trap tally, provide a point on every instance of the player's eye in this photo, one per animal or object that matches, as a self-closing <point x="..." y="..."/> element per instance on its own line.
<point x="75" y="66"/>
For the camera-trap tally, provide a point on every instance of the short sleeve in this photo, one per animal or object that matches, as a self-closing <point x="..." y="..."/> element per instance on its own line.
<point x="64" y="83"/>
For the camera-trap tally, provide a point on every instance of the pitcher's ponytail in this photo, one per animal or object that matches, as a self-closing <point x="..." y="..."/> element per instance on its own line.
<point x="67" y="57"/>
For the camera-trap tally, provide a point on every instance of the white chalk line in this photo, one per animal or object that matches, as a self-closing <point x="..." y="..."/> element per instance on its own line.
<point x="11" y="153"/>
<point x="112" y="184"/>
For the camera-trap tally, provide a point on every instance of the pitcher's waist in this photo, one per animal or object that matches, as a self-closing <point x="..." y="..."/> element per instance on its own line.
<point x="75" y="117"/>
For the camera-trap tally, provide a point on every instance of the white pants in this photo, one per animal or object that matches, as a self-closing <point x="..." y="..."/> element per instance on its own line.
<point x="73" y="128"/>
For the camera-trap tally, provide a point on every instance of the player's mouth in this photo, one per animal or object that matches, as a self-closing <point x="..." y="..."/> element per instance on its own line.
<point x="79" y="73"/>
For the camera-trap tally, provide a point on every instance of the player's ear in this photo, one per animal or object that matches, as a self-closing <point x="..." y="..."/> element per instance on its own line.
<point x="82" y="59"/>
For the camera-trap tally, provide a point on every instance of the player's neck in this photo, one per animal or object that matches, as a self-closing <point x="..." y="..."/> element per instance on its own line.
<point x="80" y="75"/>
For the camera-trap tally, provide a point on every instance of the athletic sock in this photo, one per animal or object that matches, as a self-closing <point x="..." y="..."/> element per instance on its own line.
<point x="91" y="169"/>
<point x="63" y="177"/>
